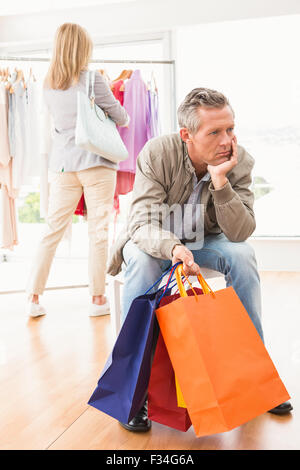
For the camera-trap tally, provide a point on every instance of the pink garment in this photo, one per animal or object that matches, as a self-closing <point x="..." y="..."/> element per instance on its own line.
<point x="136" y="103"/>
<point x="9" y="221"/>
<point x="4" y="143"/>
<point x="124" y="185"/>
<point x="125" y="179"/>
<point x="118" y="94"/>
<point x="125" y="182"/>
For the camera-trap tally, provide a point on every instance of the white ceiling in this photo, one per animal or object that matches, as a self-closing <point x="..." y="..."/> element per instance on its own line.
<point x="20" y="7"/>
<point x="110" y="18"/>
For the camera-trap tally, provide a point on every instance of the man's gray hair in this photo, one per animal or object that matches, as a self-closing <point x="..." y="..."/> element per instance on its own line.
<point x="187" y="113"/>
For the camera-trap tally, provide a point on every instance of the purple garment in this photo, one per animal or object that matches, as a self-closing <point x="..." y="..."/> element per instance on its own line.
<point x="137" y="106"/>
<point x="153" y="115"/>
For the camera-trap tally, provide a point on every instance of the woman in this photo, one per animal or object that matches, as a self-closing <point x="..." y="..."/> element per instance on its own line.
<point x="75" y="170"/>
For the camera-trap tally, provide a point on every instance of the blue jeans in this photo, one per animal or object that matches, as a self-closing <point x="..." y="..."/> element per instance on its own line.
<point x="236" y="260"/>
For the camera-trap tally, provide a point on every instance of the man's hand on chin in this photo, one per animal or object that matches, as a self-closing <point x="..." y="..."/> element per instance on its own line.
<point x="218" y="172"/>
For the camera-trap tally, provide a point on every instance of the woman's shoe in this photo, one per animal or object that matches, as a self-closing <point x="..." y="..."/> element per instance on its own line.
<point x="98" y="310"/>
<point x="35" y="310"/>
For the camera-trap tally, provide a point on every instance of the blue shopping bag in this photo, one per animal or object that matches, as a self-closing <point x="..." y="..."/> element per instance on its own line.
<point x="123" y="384"/>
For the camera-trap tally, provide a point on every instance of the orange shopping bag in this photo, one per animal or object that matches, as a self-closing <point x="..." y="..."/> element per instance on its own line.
<point x="223" y="368"/>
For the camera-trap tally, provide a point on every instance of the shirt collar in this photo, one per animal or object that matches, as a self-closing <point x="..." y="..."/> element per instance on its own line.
<point x="189" y="165"/>
<point x="187" y="161"/>
<point x="206" y="177"/>
<point x="197" y="183"/>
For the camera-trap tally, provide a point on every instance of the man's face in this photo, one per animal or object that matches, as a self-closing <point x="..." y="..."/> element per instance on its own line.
<point x="212" y="142"/>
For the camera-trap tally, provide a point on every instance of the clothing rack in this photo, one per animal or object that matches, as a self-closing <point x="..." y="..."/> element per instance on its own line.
<point x="114" y="61"/>
<point x="105" y="61"/>
<point x="96" y="61"/>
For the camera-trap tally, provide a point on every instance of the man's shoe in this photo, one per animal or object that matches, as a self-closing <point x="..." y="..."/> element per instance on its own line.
<point x="140" y="423"/>
<point x="282" y="409"/>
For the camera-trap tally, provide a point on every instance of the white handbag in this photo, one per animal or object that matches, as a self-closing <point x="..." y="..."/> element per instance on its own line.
<point x="95" y="131"/>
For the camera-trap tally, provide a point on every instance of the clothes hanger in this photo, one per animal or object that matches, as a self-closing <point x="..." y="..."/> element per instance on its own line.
<point x="6" y="75"/>
<point x="105" y="75"/>
<point x="154" y="80"/>
<point x="8" y="79"/>
<point x="20" y="77"/>
<point x="31" y="75"/>
<point x="126" y="76"/>
<point x="3" y="75"/>
<point x="120" y="77"/>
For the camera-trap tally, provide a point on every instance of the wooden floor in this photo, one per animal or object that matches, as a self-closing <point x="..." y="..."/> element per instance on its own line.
<point x="49" y="367"/>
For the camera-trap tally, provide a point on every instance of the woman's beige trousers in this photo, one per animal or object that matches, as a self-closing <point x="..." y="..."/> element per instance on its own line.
<point x="98" y="185"/>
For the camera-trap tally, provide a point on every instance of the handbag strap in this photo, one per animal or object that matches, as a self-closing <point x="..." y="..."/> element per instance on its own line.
<point x="93" y="83"/>
<point x="87" y="83"/>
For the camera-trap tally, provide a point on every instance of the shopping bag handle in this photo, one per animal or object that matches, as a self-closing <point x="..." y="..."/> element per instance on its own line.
<point x="205" y="287"/>
<point x="168" y="285"/>
<point x="161" y="277"/>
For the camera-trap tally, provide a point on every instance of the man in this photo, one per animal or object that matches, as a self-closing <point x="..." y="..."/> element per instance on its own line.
<point x="202" y="170"/>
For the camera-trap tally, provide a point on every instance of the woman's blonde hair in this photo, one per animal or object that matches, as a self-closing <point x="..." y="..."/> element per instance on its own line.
<point x="71" y="54"/>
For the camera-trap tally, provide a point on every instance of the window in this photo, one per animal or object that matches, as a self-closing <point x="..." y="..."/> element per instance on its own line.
<point x="254" y="63"/>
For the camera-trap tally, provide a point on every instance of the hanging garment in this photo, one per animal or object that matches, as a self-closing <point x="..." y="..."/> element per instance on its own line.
<point x="32" y="157"/>
<point x="153" y="125"/>
<point x="81" y="207"/>
<point x="9" y="236"/>
<point x="136" y="103"/>
<point x="4" y="141"/>
<point x="118" y="93"/>
<point x="124" y="185"/>
<point x="19" y="157"/>
<point x="11" y="115"/>
<point x="125" y="179"/>
<point x="23" y="131"/>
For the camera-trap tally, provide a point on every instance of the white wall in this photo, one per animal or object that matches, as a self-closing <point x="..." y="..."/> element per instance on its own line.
<point x="139" y="16"/>
<point x="277" y="254"/>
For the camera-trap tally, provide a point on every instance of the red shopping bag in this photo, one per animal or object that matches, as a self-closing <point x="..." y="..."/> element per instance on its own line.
<point x="162" y="393"/>
<point x="162" y="397"/>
